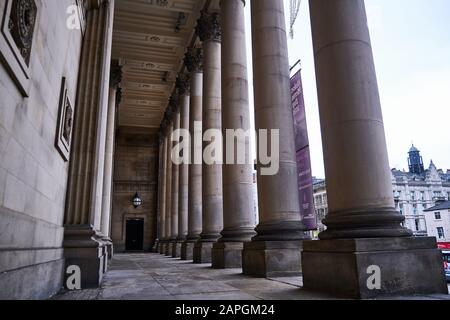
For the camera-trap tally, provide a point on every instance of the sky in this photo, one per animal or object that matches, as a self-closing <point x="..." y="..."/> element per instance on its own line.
<point x="411" y="46"/>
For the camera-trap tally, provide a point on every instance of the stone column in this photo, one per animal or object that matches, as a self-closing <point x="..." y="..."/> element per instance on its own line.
<point x="163" y="195"/>
<point x="83" y="245"/>
<point x="194" y="64"/>
<point x="160" y="191"/>
<point x="114" y="100"/>
<point x="175" y="177"/>
<point x="277" y="246"/>
<point x="168" y="224"/>
<point x="364" y="236"/>
<point x="183" y="90"/>
<point x="208" y="29"/>
<point x="238" y="217"/>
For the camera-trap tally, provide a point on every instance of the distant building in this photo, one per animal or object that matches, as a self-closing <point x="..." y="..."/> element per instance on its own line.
<point x="414" y="192"/>
<point x="437" y="219"/>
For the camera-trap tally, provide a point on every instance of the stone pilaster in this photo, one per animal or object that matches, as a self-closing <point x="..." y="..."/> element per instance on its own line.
<point x="83" y="245"/>
<point x="114" y="87"/>
<point x="238" y="217"/>
<point x="183" y="86"/>
<point x="364" y="230"/>
<point x="194" y="64"/>
<point x="276" y="248"/>
<point x="175" y="105"/>
<point x="208" y="30"/>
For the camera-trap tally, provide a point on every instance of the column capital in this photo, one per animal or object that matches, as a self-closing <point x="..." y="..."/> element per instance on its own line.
<point x="183" y="84"/>
<point x="95" y="4"/>
<point x="193" y="59"/>
<point x="208" y="27"/>
<point x="116" y="74"/>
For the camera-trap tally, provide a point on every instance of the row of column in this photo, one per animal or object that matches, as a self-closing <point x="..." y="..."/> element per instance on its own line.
<point x="363" y="227"/>
<point x="221" y="222"/>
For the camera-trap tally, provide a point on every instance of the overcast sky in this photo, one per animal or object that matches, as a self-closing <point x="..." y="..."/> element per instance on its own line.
<point x="411" y="44"/>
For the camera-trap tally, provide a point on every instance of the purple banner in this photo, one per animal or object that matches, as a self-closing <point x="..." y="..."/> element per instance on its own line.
<point x="305" y="182"/>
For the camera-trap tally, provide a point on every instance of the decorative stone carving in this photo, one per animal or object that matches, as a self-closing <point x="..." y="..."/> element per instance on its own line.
<point x="65" y="123"/>
<point x="174" y="103"/>
<point x="183" y="84"/>
<point x="16" y="39"/>
<point x="208" y="27"/>
<point x="194" y="59"/>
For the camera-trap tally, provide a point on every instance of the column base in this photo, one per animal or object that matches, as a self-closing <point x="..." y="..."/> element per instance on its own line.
<point x="162" y="247"/>
<point x="168" y="248"/>
<point x="155" y="246"/>
<point x="84" y="248"/>
<point x="176" y="249"/>
<point x="109" y="247"/>
<point x="272" y="258"/>
<point x="346" y="267"/>
<point x="202" y="252"/>
<point x="227" y="255"/>
<point x="187" y="250"/>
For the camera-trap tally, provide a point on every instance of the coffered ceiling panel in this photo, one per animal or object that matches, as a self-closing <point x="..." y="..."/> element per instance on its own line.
<point x="149" y="40"/>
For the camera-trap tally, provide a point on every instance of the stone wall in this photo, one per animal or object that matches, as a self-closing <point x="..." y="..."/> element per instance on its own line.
<point x="135" y="170"/>
<point x="33" y="174"/>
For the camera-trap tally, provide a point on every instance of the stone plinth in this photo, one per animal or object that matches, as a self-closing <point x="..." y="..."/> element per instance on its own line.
<point x="187" y="250"/>
<point x="83" y="247"/>
<point x="202" y="252"/>
<point x="227" y="255"/>
<point x="345" y="267"/>
<point x="272" y="258"/>
<point x="176" y="249"/>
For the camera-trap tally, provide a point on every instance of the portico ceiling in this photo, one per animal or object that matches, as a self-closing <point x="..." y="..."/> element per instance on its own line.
<point x="149" y="41"/>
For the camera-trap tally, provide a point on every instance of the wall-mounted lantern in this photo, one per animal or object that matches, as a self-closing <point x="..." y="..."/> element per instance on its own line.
<point x="137" y="201"/>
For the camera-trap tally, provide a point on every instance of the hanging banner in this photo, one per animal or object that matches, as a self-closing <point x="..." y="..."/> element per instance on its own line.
<point x="305" y="182"/>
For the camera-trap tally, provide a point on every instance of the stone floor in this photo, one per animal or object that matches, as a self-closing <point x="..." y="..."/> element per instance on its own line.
<point x="152" y="276"/>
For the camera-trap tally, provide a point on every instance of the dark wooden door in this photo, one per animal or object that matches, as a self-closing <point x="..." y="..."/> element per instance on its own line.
<point x="134" y="236"/>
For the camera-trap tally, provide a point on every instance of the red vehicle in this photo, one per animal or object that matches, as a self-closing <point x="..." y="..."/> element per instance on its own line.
<point x="445" y="248"/>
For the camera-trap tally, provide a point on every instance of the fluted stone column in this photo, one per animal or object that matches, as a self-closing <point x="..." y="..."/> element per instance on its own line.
<point x="194" y="64"/>
<point x="208" y="29"/>
<point x="163" y="195"/>
<point x="183" y="90"/>
<point x="175" y="180"/>
<point x="238" y="217"/>
<point x="114" y="101"/>
<point x="168" y="222"/>
<point x="364" y="230"/>
<point x="83" y="244"/>
<point x="277" y="246"/>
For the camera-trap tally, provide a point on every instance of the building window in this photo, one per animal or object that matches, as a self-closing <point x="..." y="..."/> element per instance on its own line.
<point x="440" y="232"/>
<point x="422" y="195"/>
<point x="417" y="222"/>
<point x="424" y="205"/>
<point x="437" y="194"/>
<point x="413" y="195"/>
<point x="415" y="208"/>
<point x="437" y="215"/>
<point x="401" y="208"/>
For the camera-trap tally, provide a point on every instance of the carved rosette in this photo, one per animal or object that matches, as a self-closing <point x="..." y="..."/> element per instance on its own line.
<point x="194" y="59"/>
<point x="183" y="84"/>
<point x="21" y="26"/>
<point x="208" y="27"/>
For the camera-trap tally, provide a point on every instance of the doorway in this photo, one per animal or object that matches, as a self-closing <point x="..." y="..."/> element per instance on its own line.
<point x="134" y="235"/>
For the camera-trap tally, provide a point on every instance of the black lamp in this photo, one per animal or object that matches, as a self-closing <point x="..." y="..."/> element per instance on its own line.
<point x="137" y="201"/>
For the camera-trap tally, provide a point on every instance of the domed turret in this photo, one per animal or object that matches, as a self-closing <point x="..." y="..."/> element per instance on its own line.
<point x="415" y="161"/>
